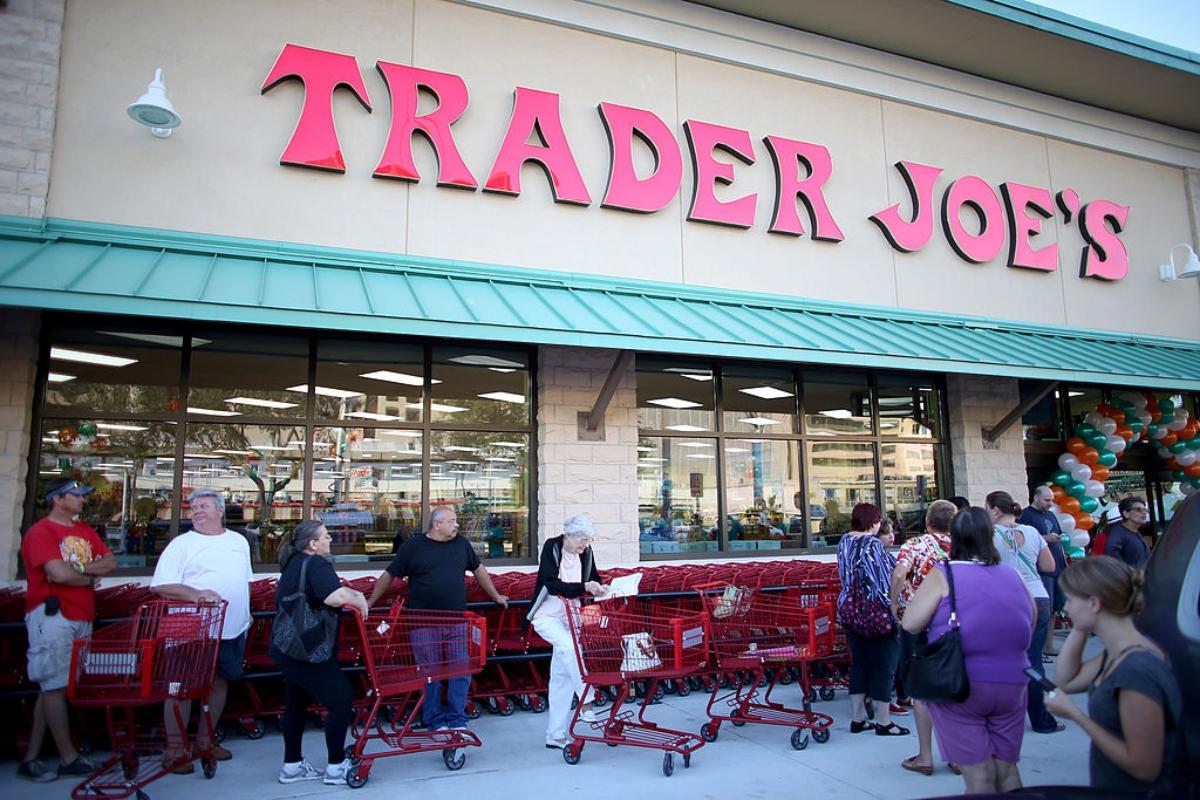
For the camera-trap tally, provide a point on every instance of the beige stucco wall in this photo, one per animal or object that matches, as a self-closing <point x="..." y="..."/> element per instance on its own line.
<point x="220" y="174"/>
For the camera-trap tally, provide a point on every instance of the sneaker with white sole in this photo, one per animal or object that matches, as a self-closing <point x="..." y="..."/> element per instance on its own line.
<point x="335" y="774"/>
<point x="557" y="744"/>
<point x="300" y="771"/>
<point x="589" y="715"/>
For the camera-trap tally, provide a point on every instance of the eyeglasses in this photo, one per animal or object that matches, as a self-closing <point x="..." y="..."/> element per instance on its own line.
<point x="1140" y="509"/>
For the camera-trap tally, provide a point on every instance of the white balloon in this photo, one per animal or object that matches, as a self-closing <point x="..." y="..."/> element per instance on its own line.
<point x="1107" y="426"/>
<point x="1164" y="453"/>
<point x="1182" y="413"/>
<point x="1187" y="458"/>
<point x="1067" y="523"/>
<point x="1094" y="488"/>
<point x="1055" y="510"/>
<point x="1068" y="461"/>
<point x="1080" y="539"/>
<point x="1081" y="472"/>
<point x="1177" y="424"/>
<point x="1161" y="432"/>
<point x="1116" y="444"/>
<point x="1144" y="416"/>
<point x="1093" y="418"/>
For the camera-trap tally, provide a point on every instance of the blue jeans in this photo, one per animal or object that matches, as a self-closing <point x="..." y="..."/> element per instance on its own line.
<point x="442" y="649"/>
<point x="1041" y="719"/>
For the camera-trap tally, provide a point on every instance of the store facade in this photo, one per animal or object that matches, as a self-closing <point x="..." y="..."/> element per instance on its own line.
<point x="405" y="254"/>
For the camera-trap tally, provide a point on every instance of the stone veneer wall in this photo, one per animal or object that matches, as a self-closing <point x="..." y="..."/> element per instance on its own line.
<point x="976" y="403"/>
<point x="30" y="43"/>
<point x="18" y="370"/>
<point x="594" y="478"/>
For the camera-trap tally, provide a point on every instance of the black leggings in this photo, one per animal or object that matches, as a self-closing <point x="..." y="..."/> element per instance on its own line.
<point x="873" y="665"/>
<point x="327" y="685"/>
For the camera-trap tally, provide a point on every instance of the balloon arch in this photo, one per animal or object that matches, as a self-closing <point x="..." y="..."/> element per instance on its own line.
<point x="1105" y="433"/>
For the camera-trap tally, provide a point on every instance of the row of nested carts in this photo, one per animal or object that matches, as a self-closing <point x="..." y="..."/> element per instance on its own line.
<point x="734" y="631"/>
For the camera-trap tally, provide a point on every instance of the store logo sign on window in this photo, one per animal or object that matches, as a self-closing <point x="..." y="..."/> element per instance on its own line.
<point x="1011" y="214"/>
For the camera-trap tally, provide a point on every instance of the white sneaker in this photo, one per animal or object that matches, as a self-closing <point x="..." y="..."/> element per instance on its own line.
<point x="335" y="774"/>
<point x="557" y="744"/>
<point x="300" y="771"/>
<point x="589" y="715"/>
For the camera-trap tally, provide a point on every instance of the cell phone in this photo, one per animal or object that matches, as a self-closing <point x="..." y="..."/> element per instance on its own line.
<point x="1042" y="680"/>
<point x="53" y="606"/>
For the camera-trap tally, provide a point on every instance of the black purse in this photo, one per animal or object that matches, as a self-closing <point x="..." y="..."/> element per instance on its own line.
<point x="302" y="632"/>
<point x="938" y="670"/>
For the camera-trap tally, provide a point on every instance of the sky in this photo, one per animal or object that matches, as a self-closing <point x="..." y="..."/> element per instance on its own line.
<point x="1173" y="22"/>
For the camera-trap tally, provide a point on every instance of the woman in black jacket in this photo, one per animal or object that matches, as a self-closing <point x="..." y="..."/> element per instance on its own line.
<point x="567" y="572"/>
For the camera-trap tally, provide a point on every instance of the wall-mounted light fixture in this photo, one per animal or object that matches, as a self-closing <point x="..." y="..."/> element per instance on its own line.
<point x="1190" y="269"/>
<point x="154" y="109"/>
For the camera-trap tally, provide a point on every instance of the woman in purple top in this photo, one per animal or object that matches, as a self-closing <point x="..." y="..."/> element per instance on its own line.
<point x="982" y="734"/>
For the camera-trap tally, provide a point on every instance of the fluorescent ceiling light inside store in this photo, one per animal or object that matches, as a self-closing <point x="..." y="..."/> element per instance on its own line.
<point x="486" y="361"/>
<point x="396" y="377"/>
<point x="84" y="357"/>
<point x="59" y="377"/>
<point x="113" y="426"/>
<point x="695" y="444"/>
<point x="254" y="401"/>
<point x="462" y="448"/>
<point x="691" y="374"/>
<point x="325" y="391"/>
<point x="673" y="402"/>
<point x="766" y="392"/>
<point x="504" y="397"/>
<point x="509" y="444"/>
<point x="737" y="449"/>
<point x="686" y="428"/>
<point x="371" y="415"/>
<point x="267" y="447"/>
<point x="759" y="421"/>
<point x="440" y="407"/>
<point x="836" y="413"/>
<point x="213" y="412"/>
<point x="497" y="458"/>
<point x="700" y="455"/>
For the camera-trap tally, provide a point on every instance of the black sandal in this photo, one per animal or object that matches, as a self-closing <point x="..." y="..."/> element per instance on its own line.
<point x="892" y="729"/>
<point x="859" y="727"/>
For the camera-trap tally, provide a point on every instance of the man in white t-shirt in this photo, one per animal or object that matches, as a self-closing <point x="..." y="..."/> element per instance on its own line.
<point x="210" y="563"/>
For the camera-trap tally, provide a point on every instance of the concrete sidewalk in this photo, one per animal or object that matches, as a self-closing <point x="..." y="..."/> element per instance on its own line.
<point x="755" y="761"/>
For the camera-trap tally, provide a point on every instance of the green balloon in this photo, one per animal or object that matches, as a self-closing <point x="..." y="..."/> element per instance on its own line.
<point x="1196" y="482"/>
<point x="1166" y="406"/>
<point x="1061" y="478"/>
<point x="1178" y="447"/>
<point x="1152" y="429"/>
<point x="1073" y="551"/>
<point x="1108" y="459"/>
<point x="1077" y="489"/>
<point x="1084" y="430"/>
<point x="1097" y="440"/>
<point x="1194" y="443"/>
<point x="1088" y="504"/>
<point x="1166" y="419"/>
<point x="1135" y="425"/>
<point x="1179" y="475"/>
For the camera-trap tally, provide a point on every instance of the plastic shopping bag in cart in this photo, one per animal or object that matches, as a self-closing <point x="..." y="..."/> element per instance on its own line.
<point x="734" y="602"/>
<point x="639" y="653"/>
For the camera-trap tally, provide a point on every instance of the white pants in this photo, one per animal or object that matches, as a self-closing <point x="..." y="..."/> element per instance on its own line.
<point x="565" y="680"/>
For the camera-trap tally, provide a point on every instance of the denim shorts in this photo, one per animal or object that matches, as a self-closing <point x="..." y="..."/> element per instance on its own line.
<point x="230" y="656"/>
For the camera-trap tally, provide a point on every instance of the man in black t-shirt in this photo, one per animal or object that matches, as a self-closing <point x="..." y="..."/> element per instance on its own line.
<point x="435" y="564"/>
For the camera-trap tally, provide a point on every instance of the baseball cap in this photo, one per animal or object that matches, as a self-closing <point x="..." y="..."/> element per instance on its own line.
<point x="60" y="487"/>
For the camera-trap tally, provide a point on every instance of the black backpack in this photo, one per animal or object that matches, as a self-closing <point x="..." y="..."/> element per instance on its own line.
<point x="302" y="632"/>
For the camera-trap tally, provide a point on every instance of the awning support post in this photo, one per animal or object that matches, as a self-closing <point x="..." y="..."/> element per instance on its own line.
<point x="591" y="423"/>
<point x="993" y="433"/>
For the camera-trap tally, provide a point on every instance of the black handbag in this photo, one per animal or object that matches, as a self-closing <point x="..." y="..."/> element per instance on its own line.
<point x="938" y="670"/>
<point x="302" y="632"/>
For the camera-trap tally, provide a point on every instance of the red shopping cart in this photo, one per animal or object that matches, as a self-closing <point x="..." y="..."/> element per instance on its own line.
<point x="167" y="652"/>
<point x="756" y="639"/>
<point x="636" y="640"/>
<point x="404" y="651"/>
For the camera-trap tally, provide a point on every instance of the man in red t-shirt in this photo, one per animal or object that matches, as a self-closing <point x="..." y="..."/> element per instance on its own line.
<point x="63" y="560"/>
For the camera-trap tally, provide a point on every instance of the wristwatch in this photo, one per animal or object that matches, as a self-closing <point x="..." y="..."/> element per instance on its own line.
<point x="78" y="567"/>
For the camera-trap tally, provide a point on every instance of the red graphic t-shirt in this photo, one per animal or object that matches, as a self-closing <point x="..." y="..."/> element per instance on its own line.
<point x="75" y="544"/>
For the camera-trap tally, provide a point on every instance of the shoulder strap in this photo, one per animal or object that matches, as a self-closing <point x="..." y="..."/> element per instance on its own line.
<point x="1010" y="540"/>
<point x="953" y="606"/>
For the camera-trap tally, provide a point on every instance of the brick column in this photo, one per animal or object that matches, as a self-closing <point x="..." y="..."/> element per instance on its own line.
<point x="18" y="366"/>
<point x="976" y="403"/>
<point x="583" y="477"/>
<point x="30" y="43"/>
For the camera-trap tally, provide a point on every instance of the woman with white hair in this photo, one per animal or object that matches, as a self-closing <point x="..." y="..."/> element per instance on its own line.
<point x="567" y="571"/>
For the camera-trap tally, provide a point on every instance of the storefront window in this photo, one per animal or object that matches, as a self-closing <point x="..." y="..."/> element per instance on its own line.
<point x="909" y="472"/>
<point x="908" y="408"/>
<point x="248" y="375"/>
<point x="758" y="400"/>
<point x="762" y="494"/>
<point x="1081" y="400"/>
<point x="1041" y="422"/>
<point x="473" y="386"/>
<point x="485" y="478"/>
<point x="840" y="475"/>
<point x="675" y="396"/>
<point x="369" y="381"/>
<point x="836" y="405"/>
<point x="677" y="495"/>
<point x="113" y="370"/>
<point x="129" y="465"/>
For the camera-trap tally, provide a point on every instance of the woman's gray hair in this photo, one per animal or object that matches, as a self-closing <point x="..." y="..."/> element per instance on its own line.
<point x="217" y="497"/>
<point x="579" y="525"/>
<point x="304" y="534"/>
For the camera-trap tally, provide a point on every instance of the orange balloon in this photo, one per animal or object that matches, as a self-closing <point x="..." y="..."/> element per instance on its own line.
<point x="1173" y="464"/>
<point x="1193" y="471"/>
<point x="1070" y="505"/>
<point x="1084" y="522"/>
<point x="1118" y="416"/>
<point x="1125" y="432"/>
<point x="1155" y="414"/>
<point x="1076" y="445"/>
<point x="1190" y="430"/>
<point x="1090" y="456"/>
<point x="1168" y="440"/>
<point x="1099" y="473"/>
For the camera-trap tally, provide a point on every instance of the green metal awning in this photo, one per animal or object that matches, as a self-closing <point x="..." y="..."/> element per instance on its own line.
<point x="70" y="266"/>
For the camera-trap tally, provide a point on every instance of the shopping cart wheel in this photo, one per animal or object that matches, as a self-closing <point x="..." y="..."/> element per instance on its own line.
<point x="668" y="764"/>
<point x="356" y="777"/>
<point x="827" y="693"/>
<point x="572" y="752"/>
<point x="687" y="760"/>
<point x="786" y="678"/>
<point x="709" y="731"/>
<point x="219" y="733"/>
<point x="659" y="692"/>
<point x="506" y="707"/>
<point x="142" y="795"/>
<point x="799" y="739"/>
<point x="129" y="766"/>
<point x="538" y="704"/>
<point x="683" y="690"/>
<point x="525" y="702"/>
<point x="254" y="730"/>
<point x="821" y="735"/>
<point x="811" y="696"/>
<point x="473" y="710"/>
<point x="454" y="758"/>
<point x="735" y="713"/>
<point x="209" y="767"/>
